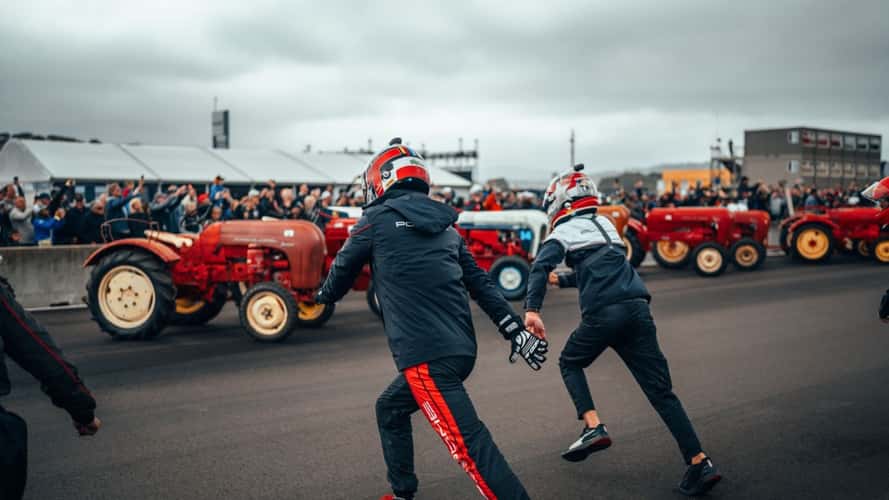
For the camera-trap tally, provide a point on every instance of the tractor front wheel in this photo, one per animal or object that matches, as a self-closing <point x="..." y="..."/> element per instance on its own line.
<point x="130" y="294"/>
<point x="268" y="312"/>
<point x="311" y="315"/>
<point x="881" y="250"/>
<point x="863" y="248"/>
<point x="510" y="275"/>
<point x="671" y="254"/>
<point x="812" y="243"/>
<point x="710" y="259"/>
<point x="748" y="254"/>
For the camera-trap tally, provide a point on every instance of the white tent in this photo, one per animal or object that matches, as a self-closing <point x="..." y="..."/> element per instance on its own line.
<point x="42" y="162"/>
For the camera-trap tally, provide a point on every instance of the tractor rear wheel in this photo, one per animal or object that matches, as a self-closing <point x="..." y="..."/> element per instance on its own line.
<point x="710" y="259"/>
<point x="635" y="252"/>
<point x="747" y="254"/>
<point x="863" y="248"/>
<point x="268" y="312"/>
<point x="130" y="294"/>
<point x="813" y="243"/>
<point x="881" y="250"/>
<point x="784" y="239"/>
<point x="311" y="315"/>
<point x="192" y="309"/>
<point x="671" y="254"/>
<point x="510" y="276"/>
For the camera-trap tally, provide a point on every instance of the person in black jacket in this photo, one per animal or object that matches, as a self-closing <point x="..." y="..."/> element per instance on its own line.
<point x="614" y="313"/>
<point x="421" y="271"/>
<point x="27" y="343"/>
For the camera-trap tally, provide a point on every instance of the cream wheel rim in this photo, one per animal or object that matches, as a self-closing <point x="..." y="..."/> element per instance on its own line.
<point x="812" y="243"/>
<point x="267" y="313"/>
<point x="672" y="251"/>
<point x="126" y="297"/>
<point x="510" y="278"/>
<point x="881" y="251"/>
<point x="628" y="248"/>
<point x="746" y="255"/>
<point x="709" y="260"/>
<point x="309" y="311"/>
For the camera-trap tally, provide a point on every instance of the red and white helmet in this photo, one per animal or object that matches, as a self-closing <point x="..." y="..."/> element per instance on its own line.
<point x="571" y="193"/>
<point x="877" y="191"/>
<point x="397" y="165"/>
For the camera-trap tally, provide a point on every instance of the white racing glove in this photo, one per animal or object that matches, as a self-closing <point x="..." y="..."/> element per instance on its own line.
<point x="530" y="348"/>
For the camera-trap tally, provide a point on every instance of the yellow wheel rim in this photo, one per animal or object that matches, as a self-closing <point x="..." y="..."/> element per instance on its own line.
<point x="673" y="252"/>
<point x="812" y="243"/>
<point x="267" y="313"/>
<point x="881" y="251"/>
<point x="746" y="255"/>
<point x="709" y="260"/>
<point x="188" y="305"/>
<point x="126" y="297"/>
<point x="309" y="311"/>
<point x="628" y="247"/>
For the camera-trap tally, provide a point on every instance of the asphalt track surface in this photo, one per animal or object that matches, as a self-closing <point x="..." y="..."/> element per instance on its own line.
<point x="784" y="372"/>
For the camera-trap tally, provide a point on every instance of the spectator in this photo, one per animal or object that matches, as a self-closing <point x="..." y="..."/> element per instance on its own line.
<point x="217" y="191"/>
<point x="44" y="225"/>
<point x="215" y="216"/>
<point x="476" y="199"/>
<point x="288" y="202"/>
<point x="91" y="230"/>
<point x="248" y="208"/>
<point x="138" y="221"/>
<point x="20" y="219"/>
<point x="75" y="217"/>
<point x="268" y="204"/>
<point x="164" y="209"/>
<point x="191" y="220"/>
<point x="114" y="208"/>
<point x="41" y="201"/>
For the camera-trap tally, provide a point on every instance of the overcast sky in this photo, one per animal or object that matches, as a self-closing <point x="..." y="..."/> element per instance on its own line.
<point x="641" y="82"/>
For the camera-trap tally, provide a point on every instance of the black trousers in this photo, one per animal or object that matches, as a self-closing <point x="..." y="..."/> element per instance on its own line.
<point x="629" y="329"/>
<point x="437" y="388"/>
<point x="13" y="455"/>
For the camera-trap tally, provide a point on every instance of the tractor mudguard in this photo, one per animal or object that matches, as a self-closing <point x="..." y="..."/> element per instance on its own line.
<point x="162" y="251"/>
<point x="814" y="219"/>
<point x="641" y="230"/>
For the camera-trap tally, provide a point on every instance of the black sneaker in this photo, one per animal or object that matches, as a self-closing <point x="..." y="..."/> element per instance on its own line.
<point x="699" y="478"/>
<point x="590" y="441"/>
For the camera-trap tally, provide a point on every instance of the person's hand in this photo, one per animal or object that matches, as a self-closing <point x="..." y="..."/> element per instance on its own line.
<point x="528" y="347"/>
<point x="534" y="324"/>
<point x="553" y="279"/>
<point x="181" y="190"/>
<point x="69" y="183"/>
<point x="89" y="429"/>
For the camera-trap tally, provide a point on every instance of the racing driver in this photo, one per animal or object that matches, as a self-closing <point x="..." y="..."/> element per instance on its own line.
<point x="422" y="271"/>
<point x="614" y="313"/>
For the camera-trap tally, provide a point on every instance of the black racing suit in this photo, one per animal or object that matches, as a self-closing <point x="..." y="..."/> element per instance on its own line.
<point x="614" y="313"/>
<point x="28" y="344"/>
<point x="421" y="271"/>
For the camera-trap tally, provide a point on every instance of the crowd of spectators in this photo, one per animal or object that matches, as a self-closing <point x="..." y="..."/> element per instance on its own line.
<point x="66" y="217"/>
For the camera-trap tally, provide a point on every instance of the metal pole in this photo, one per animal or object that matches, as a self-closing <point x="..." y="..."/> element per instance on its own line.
<point x="572" y="147"/>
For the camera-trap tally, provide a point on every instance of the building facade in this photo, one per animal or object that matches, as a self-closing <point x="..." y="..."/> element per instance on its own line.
<point x="818" y="157"/>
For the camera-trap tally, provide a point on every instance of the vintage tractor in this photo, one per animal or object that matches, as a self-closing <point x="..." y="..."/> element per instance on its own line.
<point x="504" y="243"/>
<point x="709" y="236"/>
<point x="813" y="236"/>
<point x="138" y="286"/>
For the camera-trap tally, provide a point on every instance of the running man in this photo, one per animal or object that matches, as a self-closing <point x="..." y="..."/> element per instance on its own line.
<point x="422" y="271"/>
<point x="614" y="313"/>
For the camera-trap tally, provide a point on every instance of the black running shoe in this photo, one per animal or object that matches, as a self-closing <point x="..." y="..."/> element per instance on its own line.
<point x="699" y="478"/>
<point x="590" y="441"/>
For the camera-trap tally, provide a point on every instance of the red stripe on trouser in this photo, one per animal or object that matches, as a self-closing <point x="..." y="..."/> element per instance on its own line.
<point x="434" y="406"/>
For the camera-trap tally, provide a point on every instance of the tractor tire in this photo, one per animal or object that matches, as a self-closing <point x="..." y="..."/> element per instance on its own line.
<point x="710" y="259"/>
<point x="748" y="254"/>
<point x="373" y="302"/>
<point x="311" y="315"/>
<point x="812" y="243"/>
<point x="193" y="312"/>
<point x="635" y="252"/>
<point x="268" y="312"/>
<point x="862" y="247"/>
<point x="510" y="276"/>
<point x="130" y="294"/>
<point x="784" y="239"/>
<point x="880" y="250"/>
<point x="671" y="254"/>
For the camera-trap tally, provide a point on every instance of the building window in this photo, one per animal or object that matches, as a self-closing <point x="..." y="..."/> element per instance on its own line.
<point x="836" y="141"/>
<point x="823" y="140"/>
<point x="875" y="144"/>
<point x="849" y="143"/>
<point x="793" y="137"/>
<point x="793" y="166"/>
<point x="862" y="144"/>
<point x="808" y="138"/>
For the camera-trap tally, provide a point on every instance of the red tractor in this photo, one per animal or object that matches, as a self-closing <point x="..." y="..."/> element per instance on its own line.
<point x="140" y="285"/>
<point x="813" y="236"/>
<point x="706" y="235"/>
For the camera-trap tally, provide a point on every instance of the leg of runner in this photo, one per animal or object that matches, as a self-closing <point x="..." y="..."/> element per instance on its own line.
<point x="13" y="455"/>
<point x="438" y="389"/>
<point x="394" y="408"/>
